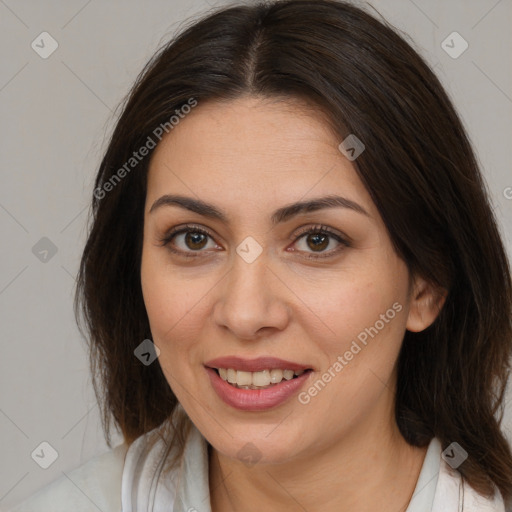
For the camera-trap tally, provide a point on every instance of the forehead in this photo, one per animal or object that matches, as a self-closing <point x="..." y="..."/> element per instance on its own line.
<point x="263" y="148"/>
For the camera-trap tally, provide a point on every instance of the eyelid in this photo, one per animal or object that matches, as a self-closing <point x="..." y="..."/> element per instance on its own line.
<point x="184" y="228"/>
<point x="341" y="238"/>
<point x="323" y="229"/>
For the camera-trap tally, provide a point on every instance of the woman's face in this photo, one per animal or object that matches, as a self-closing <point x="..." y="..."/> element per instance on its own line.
<point x="258" y="286"/>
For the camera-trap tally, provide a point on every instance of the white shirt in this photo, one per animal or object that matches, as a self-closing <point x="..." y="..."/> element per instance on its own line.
<point x="130" y="480"/>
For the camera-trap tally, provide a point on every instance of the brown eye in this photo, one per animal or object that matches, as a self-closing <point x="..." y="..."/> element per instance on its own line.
<point x="188" y="241"/>
<point x="317" y="241"/>
<point x="195" y="240"/>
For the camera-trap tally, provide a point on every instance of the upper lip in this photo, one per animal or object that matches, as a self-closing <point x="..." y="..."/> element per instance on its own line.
<point x="255" y="365"/>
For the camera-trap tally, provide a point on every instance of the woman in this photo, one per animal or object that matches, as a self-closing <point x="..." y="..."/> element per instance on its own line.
<point x="294" y="288"/>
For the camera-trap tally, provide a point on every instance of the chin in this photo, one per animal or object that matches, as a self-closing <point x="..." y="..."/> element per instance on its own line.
<point x="258" y="448"/>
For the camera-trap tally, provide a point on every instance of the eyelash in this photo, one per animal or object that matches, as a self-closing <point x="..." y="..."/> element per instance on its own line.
<point x="191" y="228"/>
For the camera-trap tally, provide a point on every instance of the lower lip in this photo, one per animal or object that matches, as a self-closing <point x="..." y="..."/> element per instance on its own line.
<point x="256" y="399"/>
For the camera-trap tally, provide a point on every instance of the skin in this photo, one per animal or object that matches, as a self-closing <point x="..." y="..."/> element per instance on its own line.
<point x="342" y="451"/>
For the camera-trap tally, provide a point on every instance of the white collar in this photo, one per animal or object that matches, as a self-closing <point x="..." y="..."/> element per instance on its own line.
<point x="186" y="489"/>
<point x="424" y="492"/>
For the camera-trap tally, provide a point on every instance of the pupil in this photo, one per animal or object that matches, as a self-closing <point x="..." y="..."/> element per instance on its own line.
<point x="320" y="241"/>
<point x="195" y="240"/>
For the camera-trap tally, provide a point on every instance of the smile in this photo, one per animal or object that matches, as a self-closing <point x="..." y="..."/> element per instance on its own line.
<point x="248" y="397"/>
<point x="256" y="380"/>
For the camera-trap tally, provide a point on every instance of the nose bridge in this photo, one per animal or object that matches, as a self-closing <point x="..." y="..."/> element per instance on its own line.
<point x="249" y="299"/>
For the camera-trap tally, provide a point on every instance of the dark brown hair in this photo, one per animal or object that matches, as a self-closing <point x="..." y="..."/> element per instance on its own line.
<point x="418" y="166"/>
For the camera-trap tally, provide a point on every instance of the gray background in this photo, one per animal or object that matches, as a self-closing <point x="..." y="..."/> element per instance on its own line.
<point x="56" y="113"/>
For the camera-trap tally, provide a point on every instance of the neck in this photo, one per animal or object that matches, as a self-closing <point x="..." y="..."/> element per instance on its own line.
<point x="371" y="468"/>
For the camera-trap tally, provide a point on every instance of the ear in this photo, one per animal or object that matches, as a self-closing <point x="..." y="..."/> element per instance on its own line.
<point x="426" y="303"/>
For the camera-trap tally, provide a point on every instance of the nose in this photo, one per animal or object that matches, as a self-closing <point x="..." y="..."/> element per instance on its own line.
<point x="251" y="300"/>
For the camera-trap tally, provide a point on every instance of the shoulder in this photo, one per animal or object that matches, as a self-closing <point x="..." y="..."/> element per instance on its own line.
<point x="95" y="485"/>
<point x="454" y="493"/>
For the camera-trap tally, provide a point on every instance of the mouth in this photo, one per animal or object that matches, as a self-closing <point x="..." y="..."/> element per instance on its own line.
<point x="256" y="384"/>
<point x="262" y="379"/>
<point x="260" y="373"/>
<point x="255" y="391"/>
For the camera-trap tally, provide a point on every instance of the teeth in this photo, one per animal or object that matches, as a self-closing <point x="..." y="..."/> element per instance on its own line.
<point x="288" y="374"/>
<point x="276" y="376"/>
<point x="231" y="376"/>
<point x="254" y="380"/>
<point x="244" y="378"/>
<point x="258" y="378"/>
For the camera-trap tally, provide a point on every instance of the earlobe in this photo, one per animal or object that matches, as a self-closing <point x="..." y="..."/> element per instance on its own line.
<point x="426" y="304"/>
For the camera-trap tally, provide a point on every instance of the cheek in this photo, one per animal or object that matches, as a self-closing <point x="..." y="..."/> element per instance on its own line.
<point x="366" y="330"/>
<point x="349" y="302"/>
<point x="366" y="326"/>
<point x="176" y="319"/>
<point x="173" y="303"/>
<point x="363" y="317"/>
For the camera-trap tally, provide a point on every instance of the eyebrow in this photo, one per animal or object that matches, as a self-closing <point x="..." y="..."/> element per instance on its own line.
<point x="280" y="215"/>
